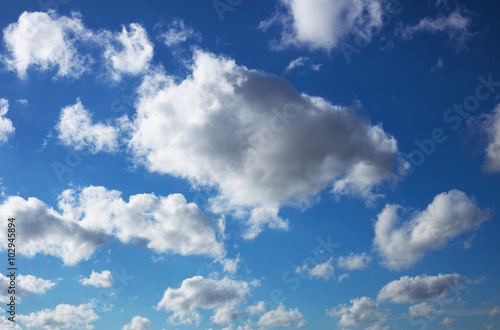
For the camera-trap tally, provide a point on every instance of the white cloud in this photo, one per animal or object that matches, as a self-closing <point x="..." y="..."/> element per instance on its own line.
<point x="76" y="129"/>
<point x="378" y="326"/>
<point x="230" y="265"/>
<point x="403" y="244"/>
<point x="492" y="128"/>
<point x="23" y="102"/>
<point x="354" y="261"/>
<point x="103" y="279"/>
<point x="138" y="323"/>
<point x="201" y="293"/>
<point x="420" y="288"/>
<point x="255" y="139"/>
<point x="323" y="270"/>
<point x="46" y="41"/>
<point x="164" y="224"/>
<point x="494" y="311"/>
<point x="281" y="317"/>
<point x="45" y="231"/>
<point x="6" y="127"/>
<point x="298" y="62"/>
<point x="362" y="312"/>
<point x="25" y="285"/>
<point x="319" y="24"/>
<point x="63" y="316"/>
<point x="456" y="25"/>
<point x="177" y="33"/>
<point x="447" y="321"/>
<point x="5" y="324"/>
<point x="129" y="52"/>
<point x="421" y="310"/>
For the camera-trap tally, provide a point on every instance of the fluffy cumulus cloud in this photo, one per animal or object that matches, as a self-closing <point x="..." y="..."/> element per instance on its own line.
<point x="354" y="261"/>
<point x="420" y="288"/>
<point x="362" y="312"/>
<point x="323" y="270"/>
<point x="129" y="52"/>
<point x="255" y="139"/>
<point x="456" y="25"/>
<point x="178" y="32"/>
<point x="492" y="128"/>
<point x="6" y="127"/>
<point x="62" y="317"/>
<point x="319" y="24"/>
<point x="204" y="293"/>
<point x="281" y="317"/>
<point x="76" y="129"/>
<point x="46" y="41"/>
<point x="138" y="323"/>
<point x="447" y="321"/>
<point x="403" y="244"/>
<point x="103" y="279"/>
<point x="164" y="224"/>
<point x="25" y="285"/>
<point x="421" y="310"/>
<point x="44" y="230"/>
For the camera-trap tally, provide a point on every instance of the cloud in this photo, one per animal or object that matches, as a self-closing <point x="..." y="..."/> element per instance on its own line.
<point x="202" y="293"/>
<point x="378" y="326"/>
<point x="138" y="323"/>
<point x="75" y="129"/>
<point x="230" y="265"/>
<point x="255" y="139"/>
<point x="322" y="270"/>
<point x="177" y="33"/>
<point x="448" y="216"/>
<point x="103" y="279"/>
<point x="165" y="224"/>
<point x="43" y="230"/>
<point x="318" y="24"/>
<point x="63" y="316"/>
<point x="6" y="127"/>
<point x="420" y="288"/>
<point x="362" y="312"/>
<point x="456" y="25"/>
<point x="280" y="317"/>
<point x="354" y="261"/>
<point x="46" y="41"/>
<point x="129" y="52"/>
<point x="421" y="310"/>
<point x="22" y="102"/>
<point x="447" y="321"/>
<point x="494" y="311"/>
<point x="492" y="127"/>
<point x="25" y="285"/>
<point x="6" y="324"/>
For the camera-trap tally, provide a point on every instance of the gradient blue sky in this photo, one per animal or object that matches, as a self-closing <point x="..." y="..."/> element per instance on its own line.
<point x="251" y="164"/>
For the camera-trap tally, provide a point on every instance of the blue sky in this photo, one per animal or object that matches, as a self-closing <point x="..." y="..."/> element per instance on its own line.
<point x="242" y="165"/>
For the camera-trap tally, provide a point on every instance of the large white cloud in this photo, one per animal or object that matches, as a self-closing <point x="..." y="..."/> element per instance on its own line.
<point x="62" y="317"/>
<point x="255" y="139"/>
<point x="403" y="244"/>
<point x="130" y="51"/>
<point x="138" y="323"/>
<point x="103" y="279"/>
<point x="6" y="127"/>
<point x="492" y="128"/>
<point x="25" y="285"/>
<point x="165" y="224"/>
<point x="420" y="288"/>
<point x="76" y="129"/>
<point x="362" y="312"/>
<point x="281" y="317"/>
<point x="320" y="24"/>
<point x="46" y="41"/>
<point x="203" y="293"/>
